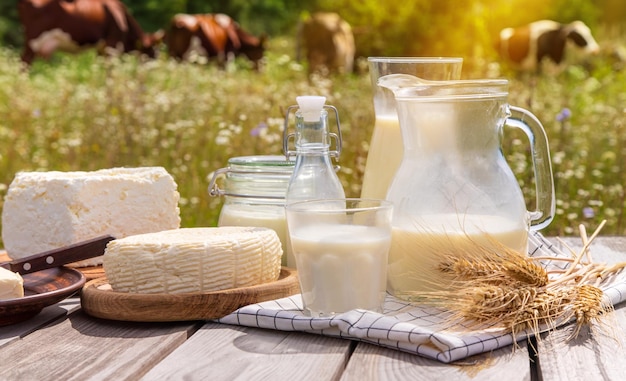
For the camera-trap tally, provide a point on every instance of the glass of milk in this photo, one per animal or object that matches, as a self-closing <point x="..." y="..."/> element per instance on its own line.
<point x="341" y="249"/>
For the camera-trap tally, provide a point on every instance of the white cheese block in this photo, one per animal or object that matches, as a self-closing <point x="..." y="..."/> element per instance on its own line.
<point x="11" y="284"/>
<point x="193" y="260"/>
<point x="48" y="210"/>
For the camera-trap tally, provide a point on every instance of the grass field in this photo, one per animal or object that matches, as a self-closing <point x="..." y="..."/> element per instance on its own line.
<point x="84" y="113"/>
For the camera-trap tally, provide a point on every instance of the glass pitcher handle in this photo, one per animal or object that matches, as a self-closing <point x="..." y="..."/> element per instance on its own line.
<point x="546" y="205"/>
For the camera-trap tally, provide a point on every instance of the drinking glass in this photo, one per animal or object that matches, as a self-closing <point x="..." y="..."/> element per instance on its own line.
<point x="341" y="249"/>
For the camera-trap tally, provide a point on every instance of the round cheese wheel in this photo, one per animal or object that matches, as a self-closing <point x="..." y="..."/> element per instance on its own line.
<point x="193" y="260"/>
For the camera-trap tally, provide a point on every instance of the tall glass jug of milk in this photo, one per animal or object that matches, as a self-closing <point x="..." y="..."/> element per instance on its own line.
<point x="385" y="151"/>
<point x="454" y="189"/>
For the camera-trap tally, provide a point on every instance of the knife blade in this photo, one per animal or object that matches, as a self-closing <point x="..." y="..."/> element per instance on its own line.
<point x="58" y="257"/>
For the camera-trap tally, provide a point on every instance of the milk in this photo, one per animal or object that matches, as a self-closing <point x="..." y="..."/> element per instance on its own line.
<point x="415" y="256"/>
<point x="383" y="159"/>
<point x="267" y="216"/>
<point x="341" y="267"/>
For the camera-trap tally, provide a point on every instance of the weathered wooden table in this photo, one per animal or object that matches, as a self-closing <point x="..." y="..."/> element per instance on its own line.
<point x="63" y="343"/>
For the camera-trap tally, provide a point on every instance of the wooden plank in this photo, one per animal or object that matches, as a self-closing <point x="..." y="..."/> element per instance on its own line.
<point x="81" y="347"/>
<point x="371" y="362"/>
<point x="594" y="354"/>
<point x="13" y="332"/>
<point x="225" y="352"/>
<point x="591" y="356"/>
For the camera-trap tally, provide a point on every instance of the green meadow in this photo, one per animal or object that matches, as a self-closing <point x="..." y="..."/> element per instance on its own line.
<point x="85" y="112"/>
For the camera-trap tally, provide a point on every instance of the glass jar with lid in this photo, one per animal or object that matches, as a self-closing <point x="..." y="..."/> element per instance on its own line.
<point x="254" y="190"/>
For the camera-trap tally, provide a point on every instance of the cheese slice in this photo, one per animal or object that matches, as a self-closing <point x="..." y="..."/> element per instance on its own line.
<point x="11" y="284"/>
<point x="48" y="210"/>
<point x="193" y="260"/>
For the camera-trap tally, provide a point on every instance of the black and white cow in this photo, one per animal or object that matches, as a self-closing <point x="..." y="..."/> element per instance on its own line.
<point x="525" y="47"/>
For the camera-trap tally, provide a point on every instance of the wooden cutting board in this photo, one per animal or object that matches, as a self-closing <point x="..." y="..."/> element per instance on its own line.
<point x="99" y="300"/>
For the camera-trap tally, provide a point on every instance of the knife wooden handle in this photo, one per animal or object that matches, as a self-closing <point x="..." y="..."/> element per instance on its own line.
<point x="61" y="256"/>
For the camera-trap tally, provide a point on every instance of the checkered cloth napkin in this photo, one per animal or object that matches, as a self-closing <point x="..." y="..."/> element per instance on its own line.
<point x="402" y="326"/>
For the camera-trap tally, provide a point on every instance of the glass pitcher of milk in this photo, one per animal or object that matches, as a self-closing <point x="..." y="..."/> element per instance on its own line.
<point x="385" y="151"/>
<point x="454" y="187"/>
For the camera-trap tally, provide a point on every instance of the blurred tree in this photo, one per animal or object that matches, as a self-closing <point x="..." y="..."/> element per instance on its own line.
<point x="613" y="12"/>
<point x="409" y="27"/>
<point x="154" y="14"/>
<point x="273" y="17"/>
<point x="10" y="29"/>
<point x="269" y="16"/>
<point x="448" y="27"/>
<point x="570" y="10"/>
<point x="259" y="16"/>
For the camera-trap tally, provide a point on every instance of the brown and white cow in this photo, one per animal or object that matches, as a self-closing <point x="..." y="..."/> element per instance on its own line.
<point x="70" y="25"/>
<point x="212" y="36"/>
<point x="328" y="42"/>
<point x="525" y="47"/>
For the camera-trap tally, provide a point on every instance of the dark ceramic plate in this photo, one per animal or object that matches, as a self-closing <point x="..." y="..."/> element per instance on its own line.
<point x="41" y="289"/>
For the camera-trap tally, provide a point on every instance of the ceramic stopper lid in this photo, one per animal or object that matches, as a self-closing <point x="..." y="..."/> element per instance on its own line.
<point x="311" y="107"/>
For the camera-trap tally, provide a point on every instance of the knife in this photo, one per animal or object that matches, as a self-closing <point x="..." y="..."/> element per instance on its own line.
<point x="59" y="257"/>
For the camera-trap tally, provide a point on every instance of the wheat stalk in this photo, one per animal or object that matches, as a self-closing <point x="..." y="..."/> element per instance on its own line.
<point x="494" y="286"/>
<point x="497" y="264"/>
